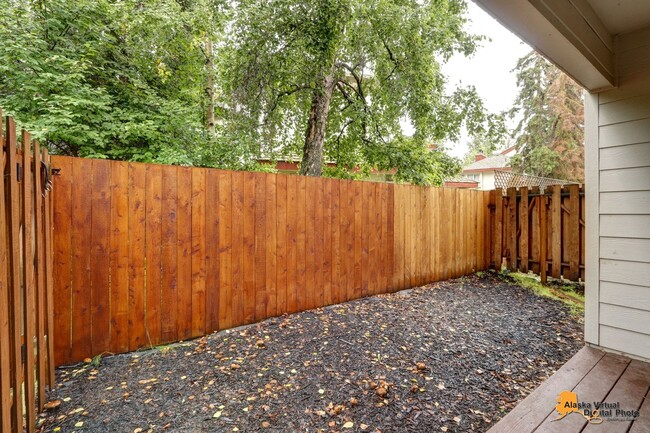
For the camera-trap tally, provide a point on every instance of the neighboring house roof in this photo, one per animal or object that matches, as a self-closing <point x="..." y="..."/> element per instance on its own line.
<point x="490" y="163"/>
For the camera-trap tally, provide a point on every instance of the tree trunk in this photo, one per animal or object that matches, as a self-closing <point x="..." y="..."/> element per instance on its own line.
<point x="209" y="88"/>
<point x="312" y="158"/>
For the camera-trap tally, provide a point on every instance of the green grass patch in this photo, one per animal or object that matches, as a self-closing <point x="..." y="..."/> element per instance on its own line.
<point x="571" y="294"/>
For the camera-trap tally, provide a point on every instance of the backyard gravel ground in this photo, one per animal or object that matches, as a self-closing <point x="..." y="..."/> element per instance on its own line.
<point x="453" y="356"/>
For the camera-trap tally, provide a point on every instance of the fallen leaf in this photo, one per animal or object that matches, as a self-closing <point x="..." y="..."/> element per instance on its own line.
<point x="79" y="424"/>
<point x="457" y="419"/>
<point x="216" y="414"/>
<point x="52" y="404"/>
<point x="348" y="424"/>
<point x="421" y="365"/>
<point x="138" y="430"/>
<point x="363" y="426"/>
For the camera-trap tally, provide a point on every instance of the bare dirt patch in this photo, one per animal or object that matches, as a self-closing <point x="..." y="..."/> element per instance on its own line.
<point x="453" y="356"/>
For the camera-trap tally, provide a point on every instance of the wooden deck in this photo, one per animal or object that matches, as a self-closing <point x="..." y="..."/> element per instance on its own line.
<point x="594" y="376"/>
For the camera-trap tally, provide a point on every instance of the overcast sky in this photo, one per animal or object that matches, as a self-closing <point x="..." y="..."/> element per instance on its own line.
<point x="489" y="69"/>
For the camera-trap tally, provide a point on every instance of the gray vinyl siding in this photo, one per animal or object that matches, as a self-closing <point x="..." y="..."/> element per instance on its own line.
<point x="623" y="203"/>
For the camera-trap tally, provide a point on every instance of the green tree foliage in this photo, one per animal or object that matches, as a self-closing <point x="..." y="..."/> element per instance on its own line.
<point x="550" y="135"/>
<point x="333" y="79"/>
<point x="106" y="79"/>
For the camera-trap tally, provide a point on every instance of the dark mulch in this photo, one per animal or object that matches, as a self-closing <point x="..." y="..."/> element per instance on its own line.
<point x="453" y="356"/>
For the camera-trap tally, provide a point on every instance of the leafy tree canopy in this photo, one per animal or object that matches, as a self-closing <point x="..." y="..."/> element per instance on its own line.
<point x="550" y="135"/>
<point x="223" y="83"/>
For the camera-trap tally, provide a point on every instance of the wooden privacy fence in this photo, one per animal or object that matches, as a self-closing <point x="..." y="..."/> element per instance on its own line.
<point x="26" y="302"/>
<point x="149" y="254"/>
<point x="541" y="232"/>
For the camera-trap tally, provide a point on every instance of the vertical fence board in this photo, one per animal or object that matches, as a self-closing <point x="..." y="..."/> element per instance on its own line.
<point x="29" y="293"/>
<point x="214" y="196"/>
<point x="523" y="222"/>
<point x="224" y="287"/>
<point x="301" y="243"/>
<point x="238" y="248"/>
<point x="261" y="295"/>
<point x="389" y="254"/>
<point x="15" y="325"/>
<point x="282" y="239"/>
<point x="119" y="257"/>
<point x="335" y="245"/>
<point x="153" y="251"/>
<point x="169" y="288"/>
<point x="198" y="252"/>
<point x="137" y="220"/>
<point x="62" y="196"/>
<point x="347" y="239"/>
<point x="5" y="349"/>
<point x="325" y="237"/>
<point x="271" y="257"/>
<point x="81" y="302"/>
<point x="574" y="232"/>
<point x="292" y="244"/>
<point x="556" y="230"/>
<point x="310" y="239"/>
<point x="184" y="254"/>
<point x="100" y="255"/>
<point x="357" y="233"/>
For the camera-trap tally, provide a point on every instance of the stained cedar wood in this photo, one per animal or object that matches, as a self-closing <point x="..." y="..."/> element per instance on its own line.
<point x="543" y="236"/>
<point x="29" y="295"/>
<point x="62" y="195"/>
<point x="184" y="254"/>
<point x="80" y="258"/>
<point x="137" y="220"/>
<point x="498" y="230"/>
<point x="325" y="235"/>
<point x="310" y="239"/>
<point x="366" y="203"/>
<point x="336" y="250"/>
<point x="168" y="298"/>
<point x="357" y="192"/>
<point x="15" y="326"/>
<point x="523" y="219"/>
<point x="374" y="239"/>
<point x="398" y="239"/>
<point x="282" y="239"/>
<point x="237" y="301"/>
<point x="271" y="256"/>
<point x="5" y="360"/>
<point x="528" y="414"/>
<point x="317" y="291"/>
<point x="292" y="243"/>
<point x="248" y="222"/>
<point x="198" y="251"/>
<point x="301" y="243"/>
<point x="349" y="239"/>
<point x="119" y="256"/>
<point x="629" y="391"/>
<point x="435" y="235"/>
<point x="596" y="384"/>
<point x="100" y="203"/>
<point x="386" y="250"/>
<point x="41" y="366"/>
<point x="382" y="246"/>
<point x="556" y="230"/>
<point x="49" y="279"/>
<point x="574" y="232"/>
<point x="214" y="214"/>
<point x="224" y="211"/>
<point x="261" y="295"/>
<point x="153" y="249"/>
<point x="408" y="227"/>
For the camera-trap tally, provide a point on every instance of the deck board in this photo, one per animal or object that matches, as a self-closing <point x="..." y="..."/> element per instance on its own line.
<point x="594" y="376"/>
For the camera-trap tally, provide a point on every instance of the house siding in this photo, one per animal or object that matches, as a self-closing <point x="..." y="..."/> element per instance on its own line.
<point x="618" y="317"/>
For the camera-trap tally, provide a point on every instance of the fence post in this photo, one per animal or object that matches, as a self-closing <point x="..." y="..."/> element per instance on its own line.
<point x="498" y="229"/>
<point x="543" y="237"/>
<point x="512" y="229"/>
<point x="523" y="224"/>
<point x="556" y="229"/>
<point x="574" y="232"/>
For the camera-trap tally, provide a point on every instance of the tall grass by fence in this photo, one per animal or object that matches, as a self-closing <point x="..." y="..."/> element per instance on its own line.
<point x="150" y="254"/>
<point x="541" y="232"/>
<point x="26" y="360"/>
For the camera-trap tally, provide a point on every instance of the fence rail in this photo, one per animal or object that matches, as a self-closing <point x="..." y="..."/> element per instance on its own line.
<point x="26" y="350"/>
<point x="149" y="254"/>
<point x="541" y="232"/>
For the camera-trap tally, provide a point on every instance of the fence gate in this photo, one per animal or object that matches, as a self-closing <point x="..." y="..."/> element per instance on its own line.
<point x="26" y="361"/>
